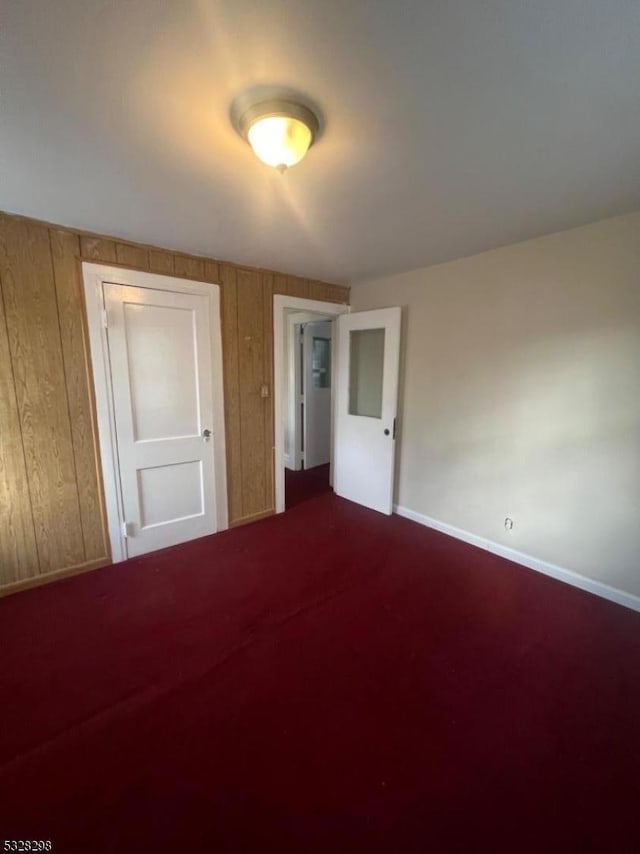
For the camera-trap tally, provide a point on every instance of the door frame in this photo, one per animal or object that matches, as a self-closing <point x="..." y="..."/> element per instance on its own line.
<point x="282" y="304"/>
<point x="93" y="276"/>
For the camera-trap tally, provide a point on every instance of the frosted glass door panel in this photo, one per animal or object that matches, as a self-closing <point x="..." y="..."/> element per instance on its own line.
<point x="162" y="371"/>
<point x="366" y="372"/>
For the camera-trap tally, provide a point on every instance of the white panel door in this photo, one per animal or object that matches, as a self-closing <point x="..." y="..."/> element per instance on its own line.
<point x="368" y="354"/>
<point x="161" y="379"/>
<point x="317" y="393"/>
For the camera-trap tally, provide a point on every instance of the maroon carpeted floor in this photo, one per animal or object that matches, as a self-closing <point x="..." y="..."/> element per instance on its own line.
<point x="305" y="484"/>
<point x="329" y="680"/>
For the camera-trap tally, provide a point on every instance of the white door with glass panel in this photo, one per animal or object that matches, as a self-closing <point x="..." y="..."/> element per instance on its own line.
<point x="316" y="340"/>
<point x="366" y="403"/>
<point x="160" y="359"/>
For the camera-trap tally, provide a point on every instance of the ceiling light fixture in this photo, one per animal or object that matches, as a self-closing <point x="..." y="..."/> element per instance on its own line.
<point x="279" y="131"/>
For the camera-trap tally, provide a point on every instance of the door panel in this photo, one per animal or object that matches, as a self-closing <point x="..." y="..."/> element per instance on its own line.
<point x="162" y="371"/>
<point x="366" y="401"/>
<point x="170" y="493"/>
<point x="317" y="393"/>
<point x="160" y="358"/>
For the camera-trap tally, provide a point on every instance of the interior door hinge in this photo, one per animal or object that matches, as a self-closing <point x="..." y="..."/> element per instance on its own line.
<point x="105" y="322"/>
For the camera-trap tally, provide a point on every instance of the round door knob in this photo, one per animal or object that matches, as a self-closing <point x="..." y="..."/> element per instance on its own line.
<point x="386" y="432"/>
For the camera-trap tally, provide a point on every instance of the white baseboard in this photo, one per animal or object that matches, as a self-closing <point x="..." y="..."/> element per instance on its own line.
<point x="613" y="594"/>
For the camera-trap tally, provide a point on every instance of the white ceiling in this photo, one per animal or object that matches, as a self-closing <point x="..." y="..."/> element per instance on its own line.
<point x="452" y="126"/>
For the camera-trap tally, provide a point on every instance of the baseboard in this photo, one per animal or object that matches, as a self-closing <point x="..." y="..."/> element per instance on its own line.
<point x="254" y="517"/>
<point x="599" y="588"/>
<point x="55" y="575"/>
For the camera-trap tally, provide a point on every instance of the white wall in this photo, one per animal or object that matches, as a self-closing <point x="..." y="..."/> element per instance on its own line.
<point x="520" y="396"/>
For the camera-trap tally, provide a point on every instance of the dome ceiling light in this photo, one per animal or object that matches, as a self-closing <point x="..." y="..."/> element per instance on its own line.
<point x="279" y="131"/>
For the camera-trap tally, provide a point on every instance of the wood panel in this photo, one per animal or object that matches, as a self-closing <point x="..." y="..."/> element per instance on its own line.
<point x="160" y="262"/>
<point x="132" y="256"/>
<point x="52" y="519"/>
<point x="212" y="272"/>
<point x="297" y="287"/>
<point x="18" y="552"/>
<point x="98" y="249"/>
<point x="231" y="389"/>
<point x="280" y="284"/>
<point x="190" y="268"/>
<point x="252" y="405"/>
<point x="328" y="293"/>
<point x="336" y="293"/>
<point x="65" y="248"/>
<point x="316" y="291"/>
<point x="294" y="286"/>
<point x="269" y="427"/>
<point x="36" y="354"/>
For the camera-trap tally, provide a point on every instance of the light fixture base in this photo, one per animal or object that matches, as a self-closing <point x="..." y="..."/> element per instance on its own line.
<point x="279" y="129"/>
<point x="275" y="107"/>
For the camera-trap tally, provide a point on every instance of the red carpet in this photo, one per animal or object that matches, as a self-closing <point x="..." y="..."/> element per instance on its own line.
<point x="329" y="680"/>
<point x="302" y="485"/>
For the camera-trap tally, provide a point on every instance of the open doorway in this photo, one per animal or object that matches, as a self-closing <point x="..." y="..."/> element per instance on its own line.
<point x="305" y="370"/>
<point x="308" y="388"/>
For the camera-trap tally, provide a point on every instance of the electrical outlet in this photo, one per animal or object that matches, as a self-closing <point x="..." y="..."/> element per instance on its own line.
<point x="508" y="523"/>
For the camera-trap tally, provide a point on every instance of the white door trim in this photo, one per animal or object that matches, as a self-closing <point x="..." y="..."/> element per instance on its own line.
<point x="281" y="304"/>
<point x="93" y="276"/>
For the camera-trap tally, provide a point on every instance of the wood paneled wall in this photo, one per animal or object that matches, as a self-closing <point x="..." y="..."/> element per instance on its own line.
<point x="52" y="517"/>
